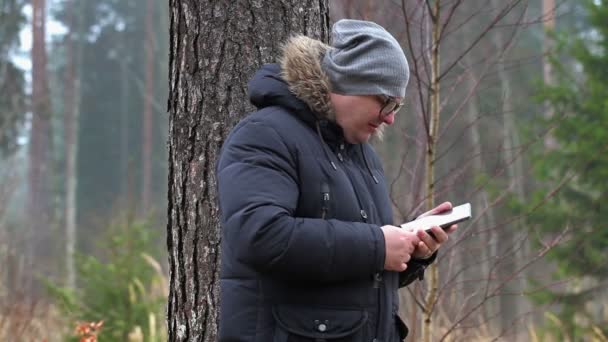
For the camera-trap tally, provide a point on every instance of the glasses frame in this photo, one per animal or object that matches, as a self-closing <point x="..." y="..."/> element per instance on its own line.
<point x="389" y="105"/>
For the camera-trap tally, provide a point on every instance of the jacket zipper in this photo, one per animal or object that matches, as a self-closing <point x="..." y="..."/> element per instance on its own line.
<point x="378" y="276"/>
<point x="377" y="284"/>
<point x="324" y="200"/>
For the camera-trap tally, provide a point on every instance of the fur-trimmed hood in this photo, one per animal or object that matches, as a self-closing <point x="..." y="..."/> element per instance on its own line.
<point x="301" y="69"/>
<point x="297" y="83"/>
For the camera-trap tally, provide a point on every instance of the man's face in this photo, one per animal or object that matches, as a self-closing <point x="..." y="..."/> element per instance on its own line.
<point x="359" y="115"/>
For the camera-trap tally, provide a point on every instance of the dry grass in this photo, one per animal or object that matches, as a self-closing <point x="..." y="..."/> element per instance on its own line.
<point x="26" y="321"/>
<point x="21" y="317"/>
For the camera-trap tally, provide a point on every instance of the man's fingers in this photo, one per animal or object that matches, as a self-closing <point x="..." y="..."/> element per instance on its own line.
<point x="407" y="258"/>
<point x="440" y="235"/>
<point x="438" y="209"/>
<point x="428" y="239"/>
<point x="452" y="229"/>
<point x="442" y="207"/>
<point x="447" y="205"/>
<point x="424" y="248"/>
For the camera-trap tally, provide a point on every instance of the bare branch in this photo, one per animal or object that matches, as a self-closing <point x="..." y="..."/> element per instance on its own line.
<point x="430" y="9"/>
<point x="496" y="19"/>
<point x="496" y="291"/>
<point x="448" y="19"/>
<point x="415" y="71"/>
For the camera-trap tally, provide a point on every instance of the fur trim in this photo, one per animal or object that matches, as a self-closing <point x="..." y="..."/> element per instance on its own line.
<point x="301" y="69"/>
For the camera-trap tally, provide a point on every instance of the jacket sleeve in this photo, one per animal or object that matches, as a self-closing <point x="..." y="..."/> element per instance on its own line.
<point x="258" y="195"/>
<point x="415" y="270"/>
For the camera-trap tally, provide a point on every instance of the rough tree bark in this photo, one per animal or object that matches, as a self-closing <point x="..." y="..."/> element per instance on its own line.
<point x="214" y="49"/>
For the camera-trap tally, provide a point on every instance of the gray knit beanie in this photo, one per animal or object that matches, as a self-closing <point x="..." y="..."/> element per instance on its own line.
<point x="365" y="60"/>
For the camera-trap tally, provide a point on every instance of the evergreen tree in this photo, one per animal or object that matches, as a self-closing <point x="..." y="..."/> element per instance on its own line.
<point x="578" y="169"/>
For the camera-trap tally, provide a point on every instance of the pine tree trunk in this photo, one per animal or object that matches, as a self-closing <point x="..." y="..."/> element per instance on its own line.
<point x="147" y="142"/>
<point x="214" y="49"/>
<point x="71" y="116"/>
<point x="510" y="307"/>
<point x="39" y="197"/>
<point x="480" y="201"/>
<point x="126" y="185"/>
<point x="548" y="25"/>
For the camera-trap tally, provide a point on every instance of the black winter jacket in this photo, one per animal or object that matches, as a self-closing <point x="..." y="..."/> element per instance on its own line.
<point x="302" y="251"/>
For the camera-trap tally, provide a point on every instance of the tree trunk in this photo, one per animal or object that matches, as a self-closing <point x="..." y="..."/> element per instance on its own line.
<point x="39" y="199"/>
<point x="214" y="49"/>
<point x="510" y="307"/>
<point x="126" y="185"/>
<point x="71" y="116"/>
<point x="432" y="135"/>
<point x="480" y="201"/>
<point x="147" y="142"/>
<point x="548" y="25"/>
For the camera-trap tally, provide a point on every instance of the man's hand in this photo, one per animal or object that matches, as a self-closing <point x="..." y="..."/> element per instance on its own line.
<point x="400" y="244"/>
<point x="427" y="244"/>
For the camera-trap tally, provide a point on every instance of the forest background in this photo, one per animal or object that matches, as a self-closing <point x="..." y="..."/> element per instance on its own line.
<point x="511" y="95"/>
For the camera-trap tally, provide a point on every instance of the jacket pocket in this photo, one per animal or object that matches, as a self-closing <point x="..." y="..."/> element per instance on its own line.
<point x="300" y="324"/>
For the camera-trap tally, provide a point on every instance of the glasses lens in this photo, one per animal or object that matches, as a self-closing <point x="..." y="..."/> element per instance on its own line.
<point x="390" y="106"/>
<point x="387" y="108"/>
<point x="398" y="107"/>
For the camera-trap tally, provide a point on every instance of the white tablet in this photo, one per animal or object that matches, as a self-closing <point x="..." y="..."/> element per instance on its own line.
<point x="443" y="220"/>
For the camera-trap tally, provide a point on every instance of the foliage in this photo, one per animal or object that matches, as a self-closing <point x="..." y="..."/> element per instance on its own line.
<point x="126" y="290"/>
<point x="88" y="331"/>
<point x="12" y="84"/>
<point x="555" y="331"/>
<point x="577" y="168"/>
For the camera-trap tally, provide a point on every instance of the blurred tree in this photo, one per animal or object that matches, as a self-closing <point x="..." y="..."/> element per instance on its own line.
<point x="40" y="201"/>
<point x="215" y="49"/>
<point x="12" y="85"/>
<point x="147" y="142"/>
<point x="13" y="108"/>
<point x="577" y="170"/>
<point x="549" y="25"/>
<point x="71" y="109"/>
<point x="511" y="244"/>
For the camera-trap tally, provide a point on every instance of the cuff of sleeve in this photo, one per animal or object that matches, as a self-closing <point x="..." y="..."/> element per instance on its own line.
<point x="380" y="245"/>
<point x="422" y="264"/>
<point x="427" y="261"/>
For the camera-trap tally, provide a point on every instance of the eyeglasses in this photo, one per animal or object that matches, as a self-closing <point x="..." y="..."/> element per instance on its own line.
<point x="389" y="105"/>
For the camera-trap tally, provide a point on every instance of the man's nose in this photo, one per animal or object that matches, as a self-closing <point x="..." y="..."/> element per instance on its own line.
<point x="389" y="119"/>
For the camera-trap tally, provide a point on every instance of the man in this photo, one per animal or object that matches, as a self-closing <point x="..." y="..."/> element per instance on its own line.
<point x="309" y="252"/>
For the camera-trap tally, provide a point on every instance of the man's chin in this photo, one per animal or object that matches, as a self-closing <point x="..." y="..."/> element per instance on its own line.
<point x="378" y="134"/>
